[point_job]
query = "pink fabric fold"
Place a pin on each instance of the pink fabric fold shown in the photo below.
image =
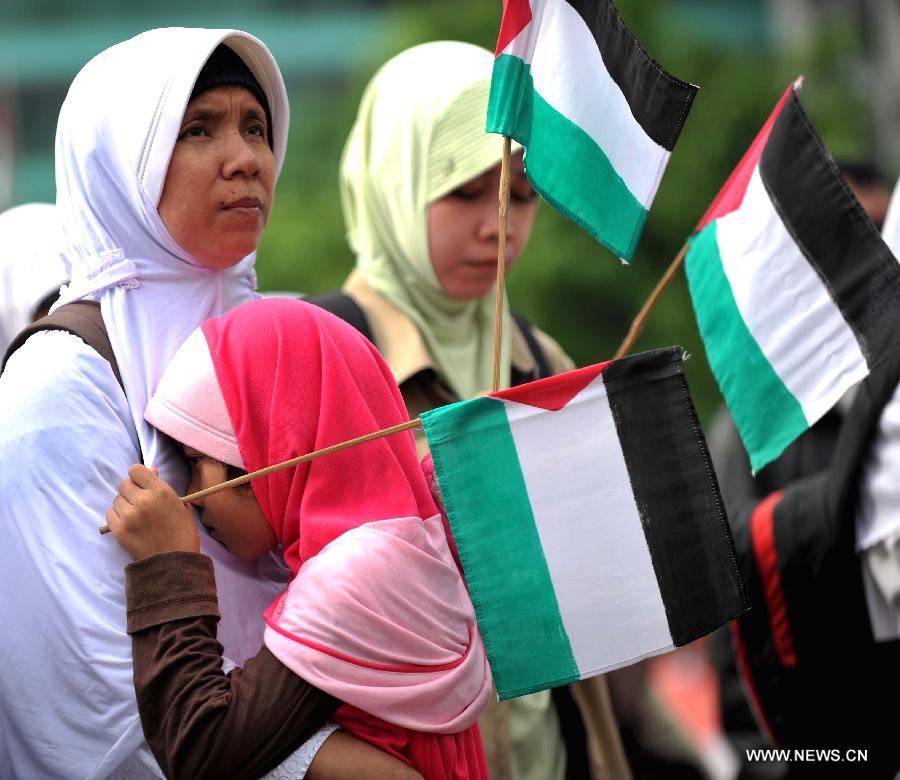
(406, 646)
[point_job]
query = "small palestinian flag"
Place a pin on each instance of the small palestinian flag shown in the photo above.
(597, 115)
(587, 518)
(796, 295)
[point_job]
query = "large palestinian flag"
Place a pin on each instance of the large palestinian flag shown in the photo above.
(587, 518)
(796, 295)
(596, 113)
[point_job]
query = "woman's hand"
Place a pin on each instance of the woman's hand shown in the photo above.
(148, 517)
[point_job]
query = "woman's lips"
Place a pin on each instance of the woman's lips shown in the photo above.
(244, 204)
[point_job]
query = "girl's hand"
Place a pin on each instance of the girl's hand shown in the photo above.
(148, 517)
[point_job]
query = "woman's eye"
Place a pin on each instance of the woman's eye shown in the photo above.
(522, 194)
(259, 130)
(520, 189)
(194, 131)
(466, 193)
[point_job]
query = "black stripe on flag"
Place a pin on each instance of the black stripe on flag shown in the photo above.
(676, 493)
(831, 229)
(658, 100)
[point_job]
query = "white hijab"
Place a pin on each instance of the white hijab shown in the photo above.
(31, 268)
(117, 129)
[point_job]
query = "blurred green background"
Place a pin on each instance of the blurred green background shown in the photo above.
(742, 54)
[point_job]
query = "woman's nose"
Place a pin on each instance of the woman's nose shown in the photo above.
(239, 157)
(489, 224)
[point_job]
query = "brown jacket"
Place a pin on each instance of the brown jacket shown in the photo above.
(399, 341)
(198, 721)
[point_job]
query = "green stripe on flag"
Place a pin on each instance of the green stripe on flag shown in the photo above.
(509, 582)
(565, 165)
(765, 412)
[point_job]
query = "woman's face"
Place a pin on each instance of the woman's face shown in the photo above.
(219, 186)
(232, 516)
(463, 231)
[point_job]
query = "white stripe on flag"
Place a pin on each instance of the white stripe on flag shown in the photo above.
(590, 530)
(569, 74)
(774, 286)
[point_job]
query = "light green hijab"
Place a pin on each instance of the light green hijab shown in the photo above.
(419, 134)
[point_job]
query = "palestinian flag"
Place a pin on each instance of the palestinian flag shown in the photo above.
(796, 295)
(587, 518)
(597, 115)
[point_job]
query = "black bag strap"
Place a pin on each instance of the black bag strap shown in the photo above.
(82, 319)
(542, 368)
(342, 305)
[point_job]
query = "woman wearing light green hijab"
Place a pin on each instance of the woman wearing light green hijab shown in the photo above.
(419, 183)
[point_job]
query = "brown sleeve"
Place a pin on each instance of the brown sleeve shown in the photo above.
(198, 721)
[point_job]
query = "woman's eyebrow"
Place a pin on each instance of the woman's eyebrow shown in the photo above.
(254, 112)
(202, 114)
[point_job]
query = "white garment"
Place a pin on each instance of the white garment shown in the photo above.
(881, 578)
(878, 525)
(890, 232)
(878, 514)
(31, 267)
(67, 434)
(67, 702)
(296, 765)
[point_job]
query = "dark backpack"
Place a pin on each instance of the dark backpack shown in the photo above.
(342, 305)
(82, 319)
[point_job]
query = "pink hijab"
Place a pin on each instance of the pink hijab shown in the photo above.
(377, 614)
(296, 379)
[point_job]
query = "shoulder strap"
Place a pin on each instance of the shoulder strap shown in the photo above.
(82, 319)
(543, 367)
(342, 305)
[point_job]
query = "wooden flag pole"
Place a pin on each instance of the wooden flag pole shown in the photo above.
(638, 323)
(501, 260)
(104, 529)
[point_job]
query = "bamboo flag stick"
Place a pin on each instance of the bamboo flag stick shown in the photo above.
(638, 323)
(104, 529)
(501, 260)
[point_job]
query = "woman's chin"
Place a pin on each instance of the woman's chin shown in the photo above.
(470, 292)
(228, 257)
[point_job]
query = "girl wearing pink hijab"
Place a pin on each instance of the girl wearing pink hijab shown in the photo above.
(376, 614)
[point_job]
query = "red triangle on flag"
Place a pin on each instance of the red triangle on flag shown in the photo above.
(731, 196)
(516, 17)
(554, 392)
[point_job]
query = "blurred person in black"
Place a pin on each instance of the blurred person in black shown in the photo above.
(809, 454)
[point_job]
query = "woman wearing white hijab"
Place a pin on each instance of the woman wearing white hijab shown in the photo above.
(31, 268)
(162, 208)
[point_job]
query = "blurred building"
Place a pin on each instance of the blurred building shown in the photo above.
(876, 25)
(44, 43)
